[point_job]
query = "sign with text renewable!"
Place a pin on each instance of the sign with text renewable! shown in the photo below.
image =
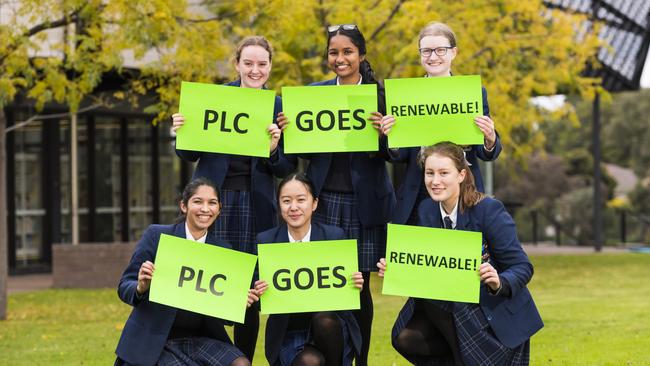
(225, 119)
(202, 278)
(431, 110)
(311, 276)
(432, 263)
(330, 118)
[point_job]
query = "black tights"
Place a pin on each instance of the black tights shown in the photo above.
(364, 319)
(430, 333)
(246, 334)
(327, 347)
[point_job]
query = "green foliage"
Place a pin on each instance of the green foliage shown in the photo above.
(72, 327)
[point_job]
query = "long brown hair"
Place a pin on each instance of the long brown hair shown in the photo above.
(469, 196)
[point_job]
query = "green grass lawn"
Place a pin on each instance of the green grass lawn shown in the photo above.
(596, 309)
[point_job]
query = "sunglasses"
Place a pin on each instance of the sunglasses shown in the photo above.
(348, 27)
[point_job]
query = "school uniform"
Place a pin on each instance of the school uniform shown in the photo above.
(496, 331)
(412, 190)
(355, 194)
(157, 334)
(283, 344)
(247, 189)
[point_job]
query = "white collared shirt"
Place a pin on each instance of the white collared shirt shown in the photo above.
(188, 235)
(453, 215)
(359, 83)
(305, 239)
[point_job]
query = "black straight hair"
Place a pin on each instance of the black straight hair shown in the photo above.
(357, 38)
(190, 190)
(302, 178)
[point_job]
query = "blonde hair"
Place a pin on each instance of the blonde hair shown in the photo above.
(253, 41)
(438, 29)
(469, 196)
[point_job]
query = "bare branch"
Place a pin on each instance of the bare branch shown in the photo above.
(387, 20)
(42, 117)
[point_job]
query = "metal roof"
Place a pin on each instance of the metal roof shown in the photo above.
(626, 29)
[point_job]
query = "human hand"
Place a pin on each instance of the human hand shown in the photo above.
(177, 122)
(486, 125)
(489, 276)
(144, 277)
(382, 267)
(275, 133)
(357, 278)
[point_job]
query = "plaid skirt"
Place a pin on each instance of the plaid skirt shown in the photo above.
(236, 223)
(340, 209)
(195, 351)
(295, 340)
(477, 343)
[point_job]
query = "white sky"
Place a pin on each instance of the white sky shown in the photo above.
(645, 76)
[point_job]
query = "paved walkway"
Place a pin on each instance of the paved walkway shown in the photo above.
(33, 282)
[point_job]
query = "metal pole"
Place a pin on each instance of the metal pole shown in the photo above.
(595, 142)
(74, 188)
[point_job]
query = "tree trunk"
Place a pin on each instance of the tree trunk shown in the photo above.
(4, 260)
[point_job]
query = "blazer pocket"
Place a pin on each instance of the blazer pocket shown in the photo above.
(516, 304)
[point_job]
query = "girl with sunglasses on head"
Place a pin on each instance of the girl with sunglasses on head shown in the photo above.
(437, 46)
(354, 189)
(157, 334)
(246, 183)
(307, 339)
(497, 330)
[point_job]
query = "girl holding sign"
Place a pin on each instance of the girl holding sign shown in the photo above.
(354, 189)
(246, 183)
(497, 330)
(437, 45)
(157, 334)
(306, 339)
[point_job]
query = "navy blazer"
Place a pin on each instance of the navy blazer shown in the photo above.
(408, 192)
(277, 324)
(214, 166)
(513, 319)
(372, 187)
(145, 332)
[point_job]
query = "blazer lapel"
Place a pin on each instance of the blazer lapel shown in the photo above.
(179, 230)
(282, 235)
(462, 220)
(317, 232)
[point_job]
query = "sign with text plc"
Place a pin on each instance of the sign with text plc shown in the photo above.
(310, 276)
(330, 118)
(431, 110)
(225, 119)
(432, 263)
(203, 278)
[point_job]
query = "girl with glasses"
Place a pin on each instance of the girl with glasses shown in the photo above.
(354, 190)
(497, 330)
(246, 183)
(307, 339)
(437, 48)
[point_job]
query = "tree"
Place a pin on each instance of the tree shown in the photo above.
(58, 51)
(520, 48)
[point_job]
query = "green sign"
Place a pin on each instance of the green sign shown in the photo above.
(202, 278)
(311, 276)
(431, 263)
(430, 110)
(330, 118)
(225, 119)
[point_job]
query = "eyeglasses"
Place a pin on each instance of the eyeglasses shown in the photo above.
(348, 27)
(439, 51)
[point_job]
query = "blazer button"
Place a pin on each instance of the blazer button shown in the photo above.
(489, 317)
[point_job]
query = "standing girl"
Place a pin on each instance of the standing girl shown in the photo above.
(307, 339)
(497, 330)
(354, 189)
(437, 46)
(246, 183)
(156, 334)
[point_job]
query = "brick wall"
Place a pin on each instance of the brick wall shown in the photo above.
(91, 265)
